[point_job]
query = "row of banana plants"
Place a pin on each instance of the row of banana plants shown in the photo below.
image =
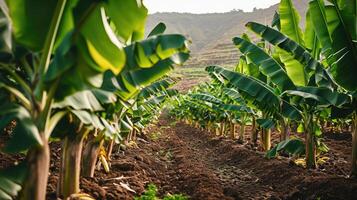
(292, 75)
(80, 72)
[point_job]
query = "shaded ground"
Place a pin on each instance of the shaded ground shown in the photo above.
(182, 159)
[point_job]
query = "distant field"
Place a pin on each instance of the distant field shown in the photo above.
(191, 76)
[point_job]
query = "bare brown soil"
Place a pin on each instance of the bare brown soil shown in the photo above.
(182, 159)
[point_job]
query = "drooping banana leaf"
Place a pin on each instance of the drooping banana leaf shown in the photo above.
(102, 49)
(129, 18)
(234, 95)
(206, 97)
(173, 51)
(25, 134)
(11, 181)
(322, 96)
(253, 90)
(154, 88)
(267, 65)
(85, 100)
(344, 44)
(312, 66)
(291, 146)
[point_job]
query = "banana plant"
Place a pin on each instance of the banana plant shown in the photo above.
(126, 92)
(295, 70)
(213, 105)
(54, 49)
(257, 93)
(144, 106)
(83, 119)
(335, 26)
(281, 78)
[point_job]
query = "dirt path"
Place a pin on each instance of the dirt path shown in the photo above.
(218, 168)
(182, 159)
(178, 158)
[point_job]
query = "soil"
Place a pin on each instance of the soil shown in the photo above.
(178, 158)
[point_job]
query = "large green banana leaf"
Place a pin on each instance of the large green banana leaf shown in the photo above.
(311, 41)
(172, 51)
(262, 95)
(267, 65)
(11, 180)
(25, 134)
(103, 50)
(321, 96)
(292, 146)
(87, 100)
(317, 9)
(32, 19)
(335, 26)
(234, 95)
(312, 66)
(129, 18)
(255, 88)
(248, 67)
(289, 20)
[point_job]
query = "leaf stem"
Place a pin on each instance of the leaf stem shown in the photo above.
(48, 47)
(51, 37)
(18, 79)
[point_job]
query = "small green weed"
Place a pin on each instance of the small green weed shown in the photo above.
(151, 194)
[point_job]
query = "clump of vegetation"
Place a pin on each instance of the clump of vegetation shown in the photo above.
(80, 80)
(151, 194)
(289, 76)
(155, 136)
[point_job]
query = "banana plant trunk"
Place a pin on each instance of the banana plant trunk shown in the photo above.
(36, 183)
(233, 130)
(254, 132)
(266, 137)
(285, 131)
(310, 155)
(71, 164)
(241, 132)
(110, 149)
(354, 146)
(222, 129)
(217, 131)
(90, 157)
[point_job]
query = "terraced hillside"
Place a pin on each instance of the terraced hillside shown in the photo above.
(213, 45)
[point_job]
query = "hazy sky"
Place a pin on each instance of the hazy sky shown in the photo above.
(205, 6)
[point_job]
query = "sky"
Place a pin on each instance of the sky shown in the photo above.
(205, 6)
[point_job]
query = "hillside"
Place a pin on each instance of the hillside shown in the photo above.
(211, 34)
